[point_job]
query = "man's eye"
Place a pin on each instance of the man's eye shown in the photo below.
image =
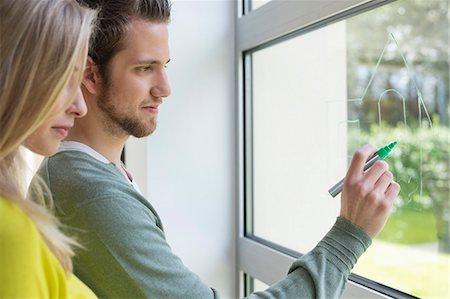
(143, 68)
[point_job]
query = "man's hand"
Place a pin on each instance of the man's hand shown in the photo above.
(367, 196)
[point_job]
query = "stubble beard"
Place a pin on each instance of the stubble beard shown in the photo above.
(119, 123)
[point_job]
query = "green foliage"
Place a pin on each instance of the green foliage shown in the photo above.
(421, 165)
(420, 162)
(420, 24)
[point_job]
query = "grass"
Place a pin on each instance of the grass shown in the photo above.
(422, 273)
(404, 256)
(410, 227)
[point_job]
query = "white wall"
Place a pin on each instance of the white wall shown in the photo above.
(190, 159)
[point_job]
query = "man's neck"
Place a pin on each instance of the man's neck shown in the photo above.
(98, 139)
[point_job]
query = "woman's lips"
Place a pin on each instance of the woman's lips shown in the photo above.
(63, 131)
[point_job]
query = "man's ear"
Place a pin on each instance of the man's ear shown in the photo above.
(91, 77)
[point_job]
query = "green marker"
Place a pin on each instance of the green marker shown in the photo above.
(379, 155)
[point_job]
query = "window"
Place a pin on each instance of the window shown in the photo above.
(253, 285)
(320, 80)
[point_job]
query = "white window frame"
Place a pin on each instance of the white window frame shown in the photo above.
(268, 24)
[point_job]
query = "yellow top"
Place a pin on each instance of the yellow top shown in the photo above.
(28, 269)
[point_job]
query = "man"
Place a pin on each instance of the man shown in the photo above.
(126, 254)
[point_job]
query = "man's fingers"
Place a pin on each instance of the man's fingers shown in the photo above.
(359, 159)
(384, 181)
(392, 191)
(374, 173)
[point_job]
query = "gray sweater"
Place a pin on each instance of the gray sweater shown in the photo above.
(126, 254)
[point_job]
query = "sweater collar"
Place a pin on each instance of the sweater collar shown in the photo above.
(81, 147)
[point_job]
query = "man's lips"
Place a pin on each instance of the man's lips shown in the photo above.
(152, 109)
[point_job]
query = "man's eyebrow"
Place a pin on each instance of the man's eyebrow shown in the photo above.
(150, 62)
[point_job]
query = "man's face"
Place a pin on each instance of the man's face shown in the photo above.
(136, 81)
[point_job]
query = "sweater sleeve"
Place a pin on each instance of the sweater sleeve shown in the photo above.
(323, 272)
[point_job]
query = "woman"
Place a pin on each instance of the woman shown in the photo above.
(42, 55)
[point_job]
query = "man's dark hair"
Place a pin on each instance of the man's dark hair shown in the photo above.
(113, 20)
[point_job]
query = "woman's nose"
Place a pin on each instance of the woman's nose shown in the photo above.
(78, 107)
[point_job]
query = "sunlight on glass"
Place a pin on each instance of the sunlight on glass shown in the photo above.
(378, 77)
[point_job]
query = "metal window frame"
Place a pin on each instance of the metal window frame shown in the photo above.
(271, 23)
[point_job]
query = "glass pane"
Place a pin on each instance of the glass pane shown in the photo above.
(376, 77)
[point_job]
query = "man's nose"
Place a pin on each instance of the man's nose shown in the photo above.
(161, 88)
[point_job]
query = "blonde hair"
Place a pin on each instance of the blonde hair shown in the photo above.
(41, 42)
